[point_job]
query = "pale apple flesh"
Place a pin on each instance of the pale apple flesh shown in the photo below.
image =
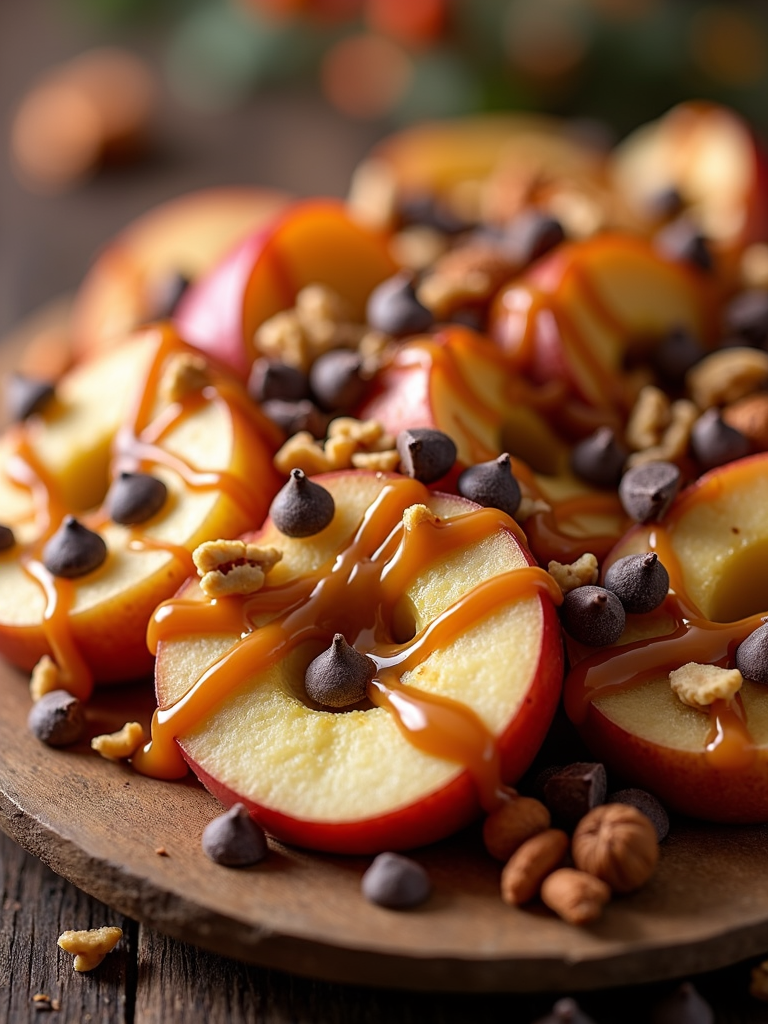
(353, 782)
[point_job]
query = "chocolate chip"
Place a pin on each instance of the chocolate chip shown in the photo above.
(234, 840)
(25, 396)
(424, 209)
(396, 882)
(683, 1006)
(675, 354)
(166, 293)
(575, 790)
(57, 719)
(301, 507)
(746, 317)
(339, 676)
(394, 309)
(7, 538)
(135, 497)
(531, 234)
(271, 379)
(542, 778)
(593, 616)
(425, 454)
(336, 380)
(647, 804)
(647, 491)
(752, 656)
(681, 240)
(491, 484)
(565, 1011)
(599, 458)
(74, 550)
(714, 442)
(639, 581)
(295, 416)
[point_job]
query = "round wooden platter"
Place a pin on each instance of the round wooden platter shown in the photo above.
(101, 826)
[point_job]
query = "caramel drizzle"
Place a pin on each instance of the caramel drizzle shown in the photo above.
(356, 593)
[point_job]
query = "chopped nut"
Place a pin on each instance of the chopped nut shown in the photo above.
(418, 247)
(91, 946)
(530, 864)
(507, 829)
(375, 349)
(233, 566)
(698, 686)
(302, 452)
(674, 441)
(758, 986)
(471, 273)
(45, 678)
(575, 896)
(580, 214)
(726, 376)
(373, 194)
(282, 337)
(339, 451)
(415, 515)
(365, 432)
(750, 417)
(581, 573)
(319, 302)
(377, 462)
(530, 507)
(753, 266)
(185, 374)
(649, 418)
(116, 746)
(617, 843)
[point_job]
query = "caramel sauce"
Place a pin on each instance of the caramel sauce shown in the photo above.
(355, 593)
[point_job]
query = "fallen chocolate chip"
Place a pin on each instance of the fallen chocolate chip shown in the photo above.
(491, 484)
(339, 676)
(714, 442)
(639, 581)
(135, 497)
(7, 538)
(57, 719)
(565, 1011)
(336, 381)
(73, 550)
(682, 240)
(593, 616)
(746, 317)
(647, 804)
(752, 656)
(425, 454)
(683, 1006)
(396, 882)
(295, 416)
(166, 293)
(647, 491)
(301, 508)
(675, 354)
(575, 790)
(531, 234)
(394, 309)
(25, 396)
(599, 458)
(234, 840)
(271, 379)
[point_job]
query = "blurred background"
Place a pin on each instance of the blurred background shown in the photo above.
(292, 93)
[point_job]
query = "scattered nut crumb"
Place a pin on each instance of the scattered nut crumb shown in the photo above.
(470, 273)
(726, 376)
(698, 686)
(282, 337)
(649, 418)
(415, 515)
(530, 507)
(124, 743)
(673, 444)
(45, 678)
(89, 947)
(377, 462)
(302, 452)
(233, 566)
(581, 573)
(161, 851)
(185, 374)
(350, 442)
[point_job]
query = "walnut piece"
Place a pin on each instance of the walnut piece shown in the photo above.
(45, 678)
(376, 462)
(516, 820)
(726, 376)
(581, 573)
(91, 946)
(185, 374)
(698, 686)
(116, 746)
(649, 418)
(470, 273)
(233, 566)
(415, 515)
(362, 444)
(576, 896)
(617, 843)
(673, 444)
(530, 864)
(750, 417)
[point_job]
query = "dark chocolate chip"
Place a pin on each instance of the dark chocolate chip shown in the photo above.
(74, 550)
(593, 616)
(271, 379)
(336, 381)
(639, 581)
(25, 396)
(714, 442)
(394, 309)
(665, 203)
(565, 1011)
(647, 804)
(424, 209)
(166, 293)
(682, 240)
(647, 491)
(746, 317)
(339, 676)
(683, 1006)
(301, 507)
(396, 882)
(543, 777)
(531, 234)
(295, 416)
(675, 354)
(575, 790)
(135, 497)
(752, 656)
(425, 454)
(7, 538)
(599, 458)
(491, 484)
(57, 719)
(234, 840)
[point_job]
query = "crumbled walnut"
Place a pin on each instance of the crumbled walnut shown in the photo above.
(753, 266)
(377, 462)
(581, 215)
(530, 507)
(368, 433)
(45, 678)
(471, 273)
(675, 439)
(116, 746)
(90, 947)
(319, 302)
(339, 450)
(161, 851)
(282, 337)
(372, 196)
(726, 376)
(698, 686)
(418, 247)
(302, 452)
(415, 515)
(347, 439)
(233, 566)
(375, 349)
(750, 417)
(581, 573)
(649, 418)
(185, 374)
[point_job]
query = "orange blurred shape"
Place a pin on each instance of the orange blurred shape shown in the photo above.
(321, 10)
(412, 22)
(729, 45)
(365, 76)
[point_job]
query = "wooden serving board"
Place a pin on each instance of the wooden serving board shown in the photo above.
(100, 825)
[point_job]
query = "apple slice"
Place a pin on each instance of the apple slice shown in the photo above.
(187, 235)
(211, 448)
(466, 640)
(714, 765)
(316, 241)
